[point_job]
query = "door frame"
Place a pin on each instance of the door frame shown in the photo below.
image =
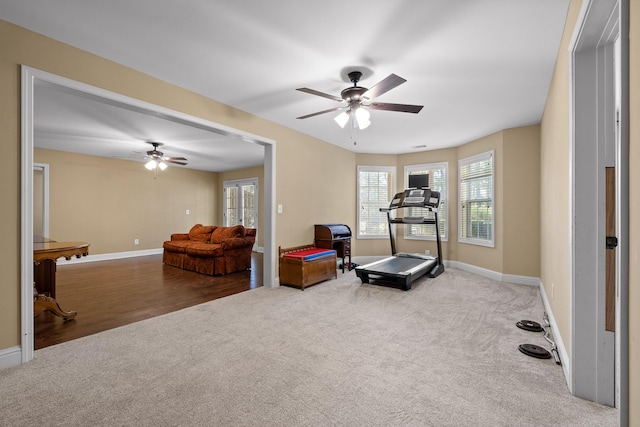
(29, 77)
(598, 368)
(45, 196)
(239, 182)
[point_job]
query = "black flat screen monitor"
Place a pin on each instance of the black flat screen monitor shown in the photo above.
(419, 181)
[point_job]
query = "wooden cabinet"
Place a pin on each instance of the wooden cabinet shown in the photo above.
(302, 271)
(336, 237)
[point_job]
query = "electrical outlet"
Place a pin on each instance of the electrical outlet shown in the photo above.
(136, 241)
(186, 212)
(427, 252)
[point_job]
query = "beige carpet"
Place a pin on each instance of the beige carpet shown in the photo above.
(337, 354)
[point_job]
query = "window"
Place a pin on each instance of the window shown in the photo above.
(375, 189)
(476, 200)
(240, 203)
(437, 182)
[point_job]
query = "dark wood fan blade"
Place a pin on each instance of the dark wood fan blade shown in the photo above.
(383, 86)
(324, 95)
(175, 158)
(321, 112)
(403, 108)
(174, 161)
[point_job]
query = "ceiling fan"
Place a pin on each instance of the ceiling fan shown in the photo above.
(157, 158)
(356, 97)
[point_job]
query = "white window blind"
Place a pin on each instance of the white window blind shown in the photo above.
(437, 182)
(476, 199)
(375, 190)
(231, 212)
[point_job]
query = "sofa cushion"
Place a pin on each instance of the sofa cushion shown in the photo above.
(201, 233)
(223, 233)
(177, 245)
(204, 250)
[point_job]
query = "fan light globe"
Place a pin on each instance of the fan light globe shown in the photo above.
(151, 165)
(362, 118)
(162, 166)
(342, 119)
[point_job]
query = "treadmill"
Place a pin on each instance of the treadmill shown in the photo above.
(402, 269)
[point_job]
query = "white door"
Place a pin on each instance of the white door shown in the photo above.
(241, 203)
(41, 200)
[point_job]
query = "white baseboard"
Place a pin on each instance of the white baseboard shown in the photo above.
(10, 357)
(494, 275)
(107, 257)
(557, 338)
(521, 280)
(120, 255)
(276, 283)
(489, 274)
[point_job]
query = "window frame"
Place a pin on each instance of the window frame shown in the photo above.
(238, 185)
(487, 155)
(443, 212)
(386, 169)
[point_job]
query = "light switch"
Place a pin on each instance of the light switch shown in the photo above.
(186, 212)
(279, 208)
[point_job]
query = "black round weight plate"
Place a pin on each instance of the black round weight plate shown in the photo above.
(534, 351)
(529, 325)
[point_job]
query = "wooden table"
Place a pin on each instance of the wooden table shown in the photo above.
(45, 254)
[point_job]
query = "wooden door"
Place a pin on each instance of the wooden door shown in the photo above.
(611, 242)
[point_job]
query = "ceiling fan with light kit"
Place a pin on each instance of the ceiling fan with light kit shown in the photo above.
(356, 101)
(157, 160)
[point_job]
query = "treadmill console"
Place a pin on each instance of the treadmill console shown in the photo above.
(416, 198)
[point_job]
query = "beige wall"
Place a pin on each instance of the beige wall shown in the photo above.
(316, 185)
(554, 183)
(521, 201)
(110, 202)
(304, 165)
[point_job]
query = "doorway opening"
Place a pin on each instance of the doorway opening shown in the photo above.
(30, 77)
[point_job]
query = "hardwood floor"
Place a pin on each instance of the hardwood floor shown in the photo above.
(108, 294)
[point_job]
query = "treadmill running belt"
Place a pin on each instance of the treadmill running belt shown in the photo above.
(395, 265)
(399, 270)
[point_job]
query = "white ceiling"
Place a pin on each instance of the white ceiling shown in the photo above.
(70, 120)
(477, 66)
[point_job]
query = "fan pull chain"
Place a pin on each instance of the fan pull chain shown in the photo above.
(354, 129)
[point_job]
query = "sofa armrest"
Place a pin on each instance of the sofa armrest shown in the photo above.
(180, 236)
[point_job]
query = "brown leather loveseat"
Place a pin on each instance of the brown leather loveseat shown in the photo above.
(209, 249)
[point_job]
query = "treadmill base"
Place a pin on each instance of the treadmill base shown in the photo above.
(399, 271)
(437, 270)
